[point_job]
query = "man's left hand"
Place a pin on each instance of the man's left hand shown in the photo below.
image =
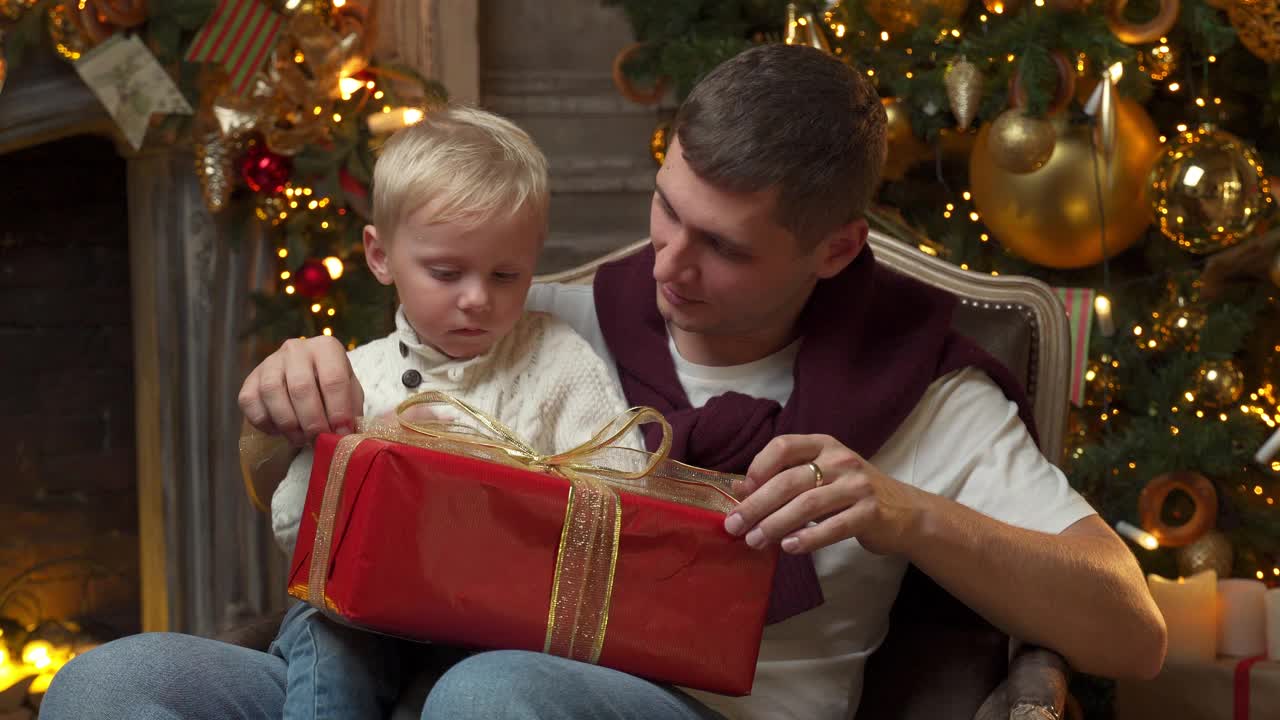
(853, 499)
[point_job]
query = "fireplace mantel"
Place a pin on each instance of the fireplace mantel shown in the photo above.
(207, 557)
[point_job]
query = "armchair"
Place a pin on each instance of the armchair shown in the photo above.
(940, 659)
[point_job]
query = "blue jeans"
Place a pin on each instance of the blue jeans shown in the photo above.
(165, 676)
(332, 671)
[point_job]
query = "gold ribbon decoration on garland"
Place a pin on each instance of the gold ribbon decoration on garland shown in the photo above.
(596, 470)
(291, 100)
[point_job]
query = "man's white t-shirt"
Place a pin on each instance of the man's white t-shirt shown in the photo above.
(964, 440)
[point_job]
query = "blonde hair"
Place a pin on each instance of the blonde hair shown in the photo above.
(468, 165)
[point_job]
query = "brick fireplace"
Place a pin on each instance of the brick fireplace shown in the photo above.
(122, 308)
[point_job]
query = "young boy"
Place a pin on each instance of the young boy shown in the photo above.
(459, 216)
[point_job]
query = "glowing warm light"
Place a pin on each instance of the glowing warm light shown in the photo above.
(349, 86)
(37, 654)
(40, 684)
(1137, 535)
(328, 331)
(334, 266)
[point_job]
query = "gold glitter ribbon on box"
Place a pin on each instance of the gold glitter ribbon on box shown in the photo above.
(596, 470)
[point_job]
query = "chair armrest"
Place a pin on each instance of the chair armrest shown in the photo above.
(1036, 688)
(255, 634)
(264, 461)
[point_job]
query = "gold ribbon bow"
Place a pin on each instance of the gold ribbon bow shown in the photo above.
(588, 553)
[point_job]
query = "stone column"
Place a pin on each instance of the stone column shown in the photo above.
(547, 65)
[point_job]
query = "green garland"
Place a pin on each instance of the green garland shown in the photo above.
(337, 172)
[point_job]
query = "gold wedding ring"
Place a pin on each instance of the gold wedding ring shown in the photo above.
(817, 474)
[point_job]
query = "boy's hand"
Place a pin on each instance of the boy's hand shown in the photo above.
(303, 389)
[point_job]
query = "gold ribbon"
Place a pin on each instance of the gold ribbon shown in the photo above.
(587, 557)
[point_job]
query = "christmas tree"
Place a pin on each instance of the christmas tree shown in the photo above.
(1115, 150)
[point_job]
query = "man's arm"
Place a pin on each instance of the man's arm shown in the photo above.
(1080, 592)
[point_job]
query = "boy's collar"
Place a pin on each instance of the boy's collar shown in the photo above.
(409, 340)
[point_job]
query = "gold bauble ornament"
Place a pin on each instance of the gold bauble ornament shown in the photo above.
(1050, 216)
(905, 149)
(964, 89)
(902, 15)
(1212, 551)
(1177, 320)
(1158, 62)
(659, 141)
(1218, 383)
(1257, 24)
(1019, 143)
(1208, 190)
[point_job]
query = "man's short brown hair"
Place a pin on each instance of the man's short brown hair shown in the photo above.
(794, 118)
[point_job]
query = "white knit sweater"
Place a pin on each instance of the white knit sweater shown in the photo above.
(542, 380)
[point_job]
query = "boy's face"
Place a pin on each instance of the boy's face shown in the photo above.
(462, 286)
(724, 266)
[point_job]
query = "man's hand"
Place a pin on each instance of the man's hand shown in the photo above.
(855, 500)
(303, 389)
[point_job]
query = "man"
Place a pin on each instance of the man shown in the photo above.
(871, 437)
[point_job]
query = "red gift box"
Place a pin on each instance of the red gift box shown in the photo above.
(435, 546)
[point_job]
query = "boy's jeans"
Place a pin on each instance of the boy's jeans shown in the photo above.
(333, 671)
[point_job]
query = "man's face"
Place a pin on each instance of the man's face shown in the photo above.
(724, 267)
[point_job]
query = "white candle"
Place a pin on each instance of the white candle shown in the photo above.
(1242, 623)
(1102, 310)
(1268, 449)
(1190, 609)
(396, 118)
(1273, 623)
(1137, 535)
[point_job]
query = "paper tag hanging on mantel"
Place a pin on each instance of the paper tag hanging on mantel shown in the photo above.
(131, 85)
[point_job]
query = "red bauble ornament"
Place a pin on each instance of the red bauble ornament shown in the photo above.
(265, 171)
(312, 279)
